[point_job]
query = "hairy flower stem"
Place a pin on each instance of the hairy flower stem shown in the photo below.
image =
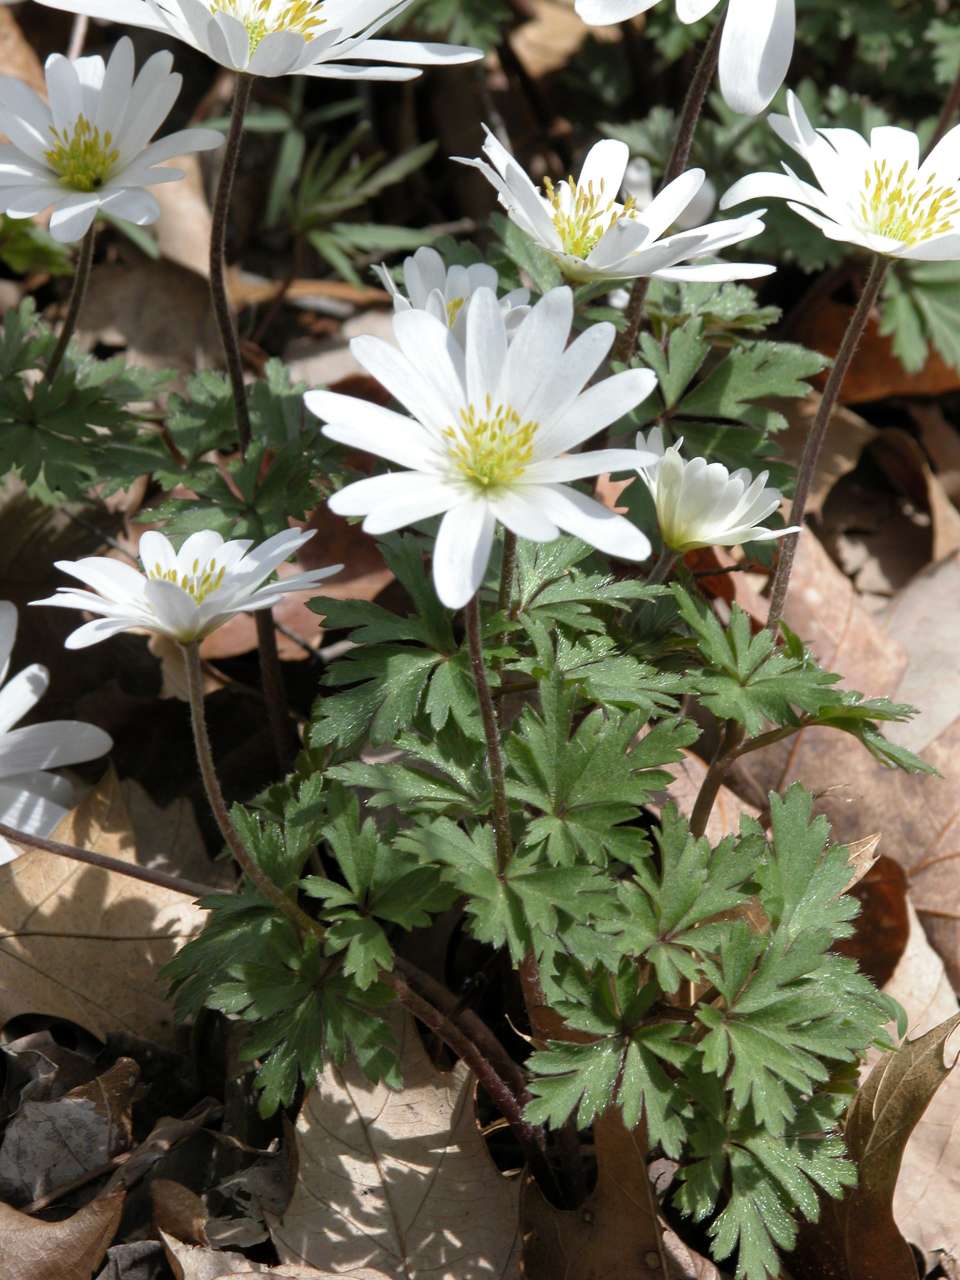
(818, 433)
(81, 279)
(303, 923)
(508, 570)
(501, 810)
(218, 242)
(679, 159)
(274, 689)
(662, 569)
(725, 755)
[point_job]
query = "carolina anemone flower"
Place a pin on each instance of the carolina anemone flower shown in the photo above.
(183, 594)
(700, 504)
(876, 194)
(756, 47)
(31, 798)
(592, 236)
(282, 37)
(489, 435)
(444, 291)
(90, 148)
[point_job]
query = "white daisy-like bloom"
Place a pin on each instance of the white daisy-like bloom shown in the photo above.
(31, 798)
(489, 437)
(283, 37)
(182, 594)
(877, 194)
(756, 47)
(444, 291)
(592, 236)
(700, 504)
(89, 149)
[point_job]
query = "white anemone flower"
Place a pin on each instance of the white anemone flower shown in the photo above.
(444, 291)
(592, 236)
(489, 435)
(31, 798)
(90, 149)
(282, 37)
(756, 47)
(700, 504)
(876, 194)
(184, 595)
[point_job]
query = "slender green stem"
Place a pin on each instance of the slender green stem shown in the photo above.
(818, 434)
(679, 159)
(501, 810)
(81, 279)
(303, 923)
(662, 569)
(719, 767)
(274, 688)
(218, 242)
(114, 865)
(508, 570)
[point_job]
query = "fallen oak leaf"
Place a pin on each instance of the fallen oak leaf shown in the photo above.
(72, 1249)
(194, 1262)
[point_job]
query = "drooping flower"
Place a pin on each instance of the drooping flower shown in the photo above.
(593, 236)
(876, 194)
(283, 37)
(756, 48)
(31, 798)
(700, 504)
(489, 434)
(444, 291)
(185, 594)
(90, 148)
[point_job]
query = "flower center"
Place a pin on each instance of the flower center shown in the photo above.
(581, 225)
(82, 158)
(201, 582)
(892, 206)
(264, 17)
(492, 447)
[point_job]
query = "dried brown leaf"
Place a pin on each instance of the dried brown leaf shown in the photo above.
(72, 1249)
(87, 944)
(192, 1262)
(398, 1183)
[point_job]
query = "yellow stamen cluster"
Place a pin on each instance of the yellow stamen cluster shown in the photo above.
(82, 158)
(264, 17)
(590, 218)
(891, 205)
(493, 447)
(454, 307)
(199, 583)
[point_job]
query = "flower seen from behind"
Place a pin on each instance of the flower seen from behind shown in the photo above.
(756, 48)
(489, 434)
(31, 798)
(874, 193)
(283, 37)
(444, 292)
(700, 504)
(90, 148)
(593, 236)
(183, 594)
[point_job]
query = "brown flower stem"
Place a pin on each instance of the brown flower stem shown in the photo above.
(719, 767)
(662, 569)
(501, 810)
(218, 241)
(818, 434)
(679, 159)
(145, 874)
(81, 279)
(274, 688)
(303, 923)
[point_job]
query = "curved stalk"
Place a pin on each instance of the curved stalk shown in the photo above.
(507, 570)
(81, 279)
(218, 241)
(679, 159)
(818, 434)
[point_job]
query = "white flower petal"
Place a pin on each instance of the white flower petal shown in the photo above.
(602, 404)
(594, 523)
(47, 746)
(462, 551)
(8, 634)
(21, 694)
(755, 52)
